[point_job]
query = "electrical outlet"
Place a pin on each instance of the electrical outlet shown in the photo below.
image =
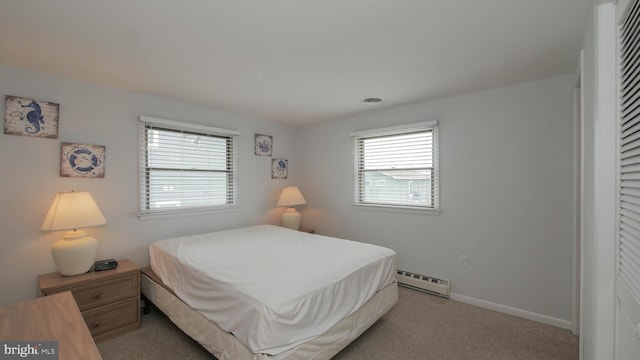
(463, 260)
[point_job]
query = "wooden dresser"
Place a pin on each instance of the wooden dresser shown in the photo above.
(54, 318)
(108, 300)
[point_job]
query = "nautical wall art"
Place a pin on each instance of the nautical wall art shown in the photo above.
(263, 144)
(28, 117)
(279, 168)
(82, 160)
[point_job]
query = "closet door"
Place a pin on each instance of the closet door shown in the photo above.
(628, 247)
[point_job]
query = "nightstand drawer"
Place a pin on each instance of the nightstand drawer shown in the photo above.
(103, 292)
(108, 318)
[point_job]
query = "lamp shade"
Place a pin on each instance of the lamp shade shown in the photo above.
(72, 210)
(291, 196)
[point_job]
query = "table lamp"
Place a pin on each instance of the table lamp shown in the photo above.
(290, 197)
(76, 252)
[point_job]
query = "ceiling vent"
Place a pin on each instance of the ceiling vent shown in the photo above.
(372, 100)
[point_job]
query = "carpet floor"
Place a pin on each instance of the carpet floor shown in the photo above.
(419, 327)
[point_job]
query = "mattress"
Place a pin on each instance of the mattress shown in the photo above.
(271, 287)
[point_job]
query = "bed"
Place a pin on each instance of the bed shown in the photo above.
(267, 292)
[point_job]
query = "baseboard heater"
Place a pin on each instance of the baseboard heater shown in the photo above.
(424, 283)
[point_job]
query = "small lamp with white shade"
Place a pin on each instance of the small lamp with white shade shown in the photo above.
(76, 252)
(290, 197)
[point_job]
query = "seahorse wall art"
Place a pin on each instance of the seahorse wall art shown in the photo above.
(28, 117)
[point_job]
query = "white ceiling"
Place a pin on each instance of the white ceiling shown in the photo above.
(295, 61)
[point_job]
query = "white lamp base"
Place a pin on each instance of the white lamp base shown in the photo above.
(75, 253)
(291, 219)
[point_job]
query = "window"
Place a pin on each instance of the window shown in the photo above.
(397, 167)
(185, 167)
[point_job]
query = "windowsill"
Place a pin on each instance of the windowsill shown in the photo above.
(184, 213)
(399, 209)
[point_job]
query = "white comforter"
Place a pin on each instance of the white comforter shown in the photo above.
(272, 287)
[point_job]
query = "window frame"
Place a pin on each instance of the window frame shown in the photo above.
(146, 212)
(358, 170)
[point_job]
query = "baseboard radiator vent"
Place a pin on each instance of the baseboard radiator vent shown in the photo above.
(427, 284)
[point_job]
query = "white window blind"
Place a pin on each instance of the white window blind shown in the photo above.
(629, 238)
(185, 167)
(397, 167)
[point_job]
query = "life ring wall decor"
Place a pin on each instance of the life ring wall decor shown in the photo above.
(82, 160)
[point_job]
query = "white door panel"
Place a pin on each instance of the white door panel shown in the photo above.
(627, 335)
(628, 323)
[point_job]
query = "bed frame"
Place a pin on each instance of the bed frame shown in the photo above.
(225, 346)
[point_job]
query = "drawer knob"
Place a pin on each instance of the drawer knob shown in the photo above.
(96, 324)
(96, 296)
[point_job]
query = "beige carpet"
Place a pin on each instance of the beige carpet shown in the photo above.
(419, 327)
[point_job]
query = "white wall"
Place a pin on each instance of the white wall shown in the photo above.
(587, 303)
(97, 115)
(506, 179)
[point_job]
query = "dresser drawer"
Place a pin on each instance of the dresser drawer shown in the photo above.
(114, 317)
(98, 293)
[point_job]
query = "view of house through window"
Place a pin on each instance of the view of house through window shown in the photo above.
(397, 168)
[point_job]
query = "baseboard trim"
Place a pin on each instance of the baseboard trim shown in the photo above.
(565, 324)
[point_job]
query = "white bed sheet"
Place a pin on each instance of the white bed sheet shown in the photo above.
(271, 287)
(225, 346)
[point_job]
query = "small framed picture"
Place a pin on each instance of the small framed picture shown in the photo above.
(28, 117)
(263, 144)
(279, 168)
(82, 160)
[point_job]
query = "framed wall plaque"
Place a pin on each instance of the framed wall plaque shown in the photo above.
(28, 117)
(279, 168)
(82, 160)
(263, 144)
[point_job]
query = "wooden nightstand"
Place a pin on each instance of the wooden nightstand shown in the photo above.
(108, 300)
